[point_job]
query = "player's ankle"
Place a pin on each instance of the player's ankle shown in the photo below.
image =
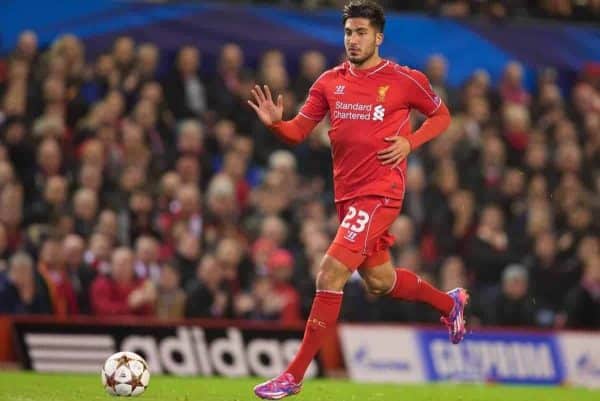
(297, 377)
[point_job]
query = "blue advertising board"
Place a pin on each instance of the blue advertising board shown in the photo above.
(504, 357)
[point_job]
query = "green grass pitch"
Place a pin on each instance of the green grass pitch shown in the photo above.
(26, 386)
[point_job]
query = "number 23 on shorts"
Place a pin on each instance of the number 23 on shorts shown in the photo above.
(365, 221)
(355, 220)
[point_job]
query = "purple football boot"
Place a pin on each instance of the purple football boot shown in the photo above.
(456, 320)
(277, 388)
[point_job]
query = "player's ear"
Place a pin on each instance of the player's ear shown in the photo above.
(379, 38)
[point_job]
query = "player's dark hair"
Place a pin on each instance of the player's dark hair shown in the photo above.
(368, 9)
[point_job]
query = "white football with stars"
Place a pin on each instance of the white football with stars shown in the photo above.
(125, 374)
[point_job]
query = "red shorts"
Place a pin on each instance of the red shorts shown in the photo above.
(363, 237)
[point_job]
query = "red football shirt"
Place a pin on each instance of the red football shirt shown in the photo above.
(365, 106)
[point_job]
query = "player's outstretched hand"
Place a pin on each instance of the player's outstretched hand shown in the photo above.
(268, 112)
(396, 152)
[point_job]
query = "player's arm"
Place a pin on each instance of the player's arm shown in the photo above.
(423, 98)
(297, 129)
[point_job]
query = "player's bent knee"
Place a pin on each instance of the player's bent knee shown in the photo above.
(377, 291)
(379, 280)
(377, 287)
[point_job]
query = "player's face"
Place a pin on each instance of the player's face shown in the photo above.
(361, 40)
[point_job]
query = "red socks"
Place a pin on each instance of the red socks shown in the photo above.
(411, 287)
(321, 321)
(326, 308)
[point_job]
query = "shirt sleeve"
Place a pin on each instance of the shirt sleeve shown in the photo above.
(294, 131)
(421, 95)
(315, 107)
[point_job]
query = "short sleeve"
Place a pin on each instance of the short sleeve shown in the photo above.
(420, 93)
(315, 107)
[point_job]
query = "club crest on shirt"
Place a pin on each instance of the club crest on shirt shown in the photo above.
(381, 92)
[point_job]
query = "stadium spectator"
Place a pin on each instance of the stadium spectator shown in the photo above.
(512, 306)
(138, 219)
(98, 252)
(452, 273)
(225, 86)
(52, 204)
(185, 92)
(414, 201)
(85, 208)
(123, 54)
(80, 274)
(52, 268)
(170, 297)
(109, 226)
(121, 293)
(549, 276)
(27, 48)
(148, 58)
(583, 301)
(404, 232)
(236, 268)
(489, 250)
(144, 69)
(281, 268)
(206, 296)
(20, 291)
(437, 72)
(187, 253)
(222, 210)
(312, 64)
(146, 260)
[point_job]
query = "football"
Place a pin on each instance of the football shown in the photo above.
(125, 374)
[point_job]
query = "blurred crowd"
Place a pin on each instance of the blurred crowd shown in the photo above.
(124, 191)
(581, 10)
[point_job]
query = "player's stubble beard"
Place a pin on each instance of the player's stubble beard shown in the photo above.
(359, 61)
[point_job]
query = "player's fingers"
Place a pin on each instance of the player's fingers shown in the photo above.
(251, 103)
(391, 151)
(280, 101)
(386, 156)
(389, 161)
(398, 161)
(390, 138)
(256, 97)
(260, 93)
(395, 155)
(389, 157)
(386, 150)
(268, 93)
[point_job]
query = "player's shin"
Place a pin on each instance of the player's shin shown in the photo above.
(410, 287)
(320, 323)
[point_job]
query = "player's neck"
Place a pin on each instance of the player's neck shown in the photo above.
(370, 63)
